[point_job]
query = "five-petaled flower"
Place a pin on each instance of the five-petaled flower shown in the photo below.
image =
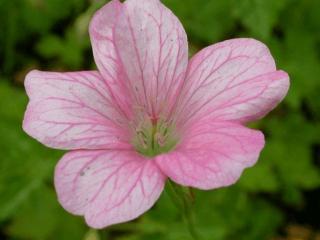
(148, 113)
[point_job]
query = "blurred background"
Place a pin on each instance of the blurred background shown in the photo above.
(278, 199)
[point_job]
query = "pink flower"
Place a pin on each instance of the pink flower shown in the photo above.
(149, 114)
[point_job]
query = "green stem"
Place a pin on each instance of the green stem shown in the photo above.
(189, 218)
(183, 198)
(102, 234)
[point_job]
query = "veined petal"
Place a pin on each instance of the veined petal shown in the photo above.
(101, 31)
(153, 49)
(102, 40)
(233, 80)
(107, 187)
(72, 111)
(212, 155)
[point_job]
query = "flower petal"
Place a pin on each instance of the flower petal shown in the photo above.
(153, 49)
(212, 155)
(108, 187)
(101, 31)
(232, 80)
(72, 111)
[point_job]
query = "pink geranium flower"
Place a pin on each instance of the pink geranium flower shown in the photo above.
(148, 113)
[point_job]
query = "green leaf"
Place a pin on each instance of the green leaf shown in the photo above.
(41, 217)
(205, 21)
(260, 178)
(259, 16)
(41, 15)
(302, 63)
(25, 163)
(289, 152)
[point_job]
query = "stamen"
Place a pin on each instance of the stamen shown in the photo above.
(160, 139)
(153, 136)
(142, 140)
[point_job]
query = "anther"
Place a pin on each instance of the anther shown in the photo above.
(161, 140)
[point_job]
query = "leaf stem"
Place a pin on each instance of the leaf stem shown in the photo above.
(102, 234)
(183, 198)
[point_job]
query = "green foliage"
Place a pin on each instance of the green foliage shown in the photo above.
(27, 198)
(259, 16)
(205, 21)
(51, 219)
(52, 34)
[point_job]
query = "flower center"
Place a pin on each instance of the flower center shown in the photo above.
(154, 137)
